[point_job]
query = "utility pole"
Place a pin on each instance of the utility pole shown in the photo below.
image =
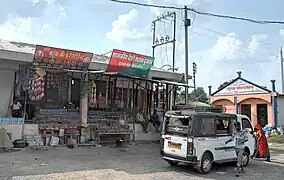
(194, 70)
(282, 75)
(187, 23)
(169, 16)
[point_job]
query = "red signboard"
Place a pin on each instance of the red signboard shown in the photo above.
(61, 58)
(129, 63)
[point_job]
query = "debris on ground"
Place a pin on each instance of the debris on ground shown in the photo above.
(271, 131)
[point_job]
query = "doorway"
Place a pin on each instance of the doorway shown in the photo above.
(262, 116)
(246, 110)
(75, 91)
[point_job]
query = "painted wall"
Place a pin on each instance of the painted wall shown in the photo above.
(230, 107)
(280, 110)
(6, 88)
(253, 99)
(14, 129)
(253, 102)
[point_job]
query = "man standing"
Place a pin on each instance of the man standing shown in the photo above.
(240, 138)
(16, 108)
(155, 120)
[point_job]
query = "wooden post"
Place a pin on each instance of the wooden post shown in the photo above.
(133, 122)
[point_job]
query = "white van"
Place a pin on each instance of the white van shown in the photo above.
(198, 137)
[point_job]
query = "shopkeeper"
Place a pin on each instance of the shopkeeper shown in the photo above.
(16, 108)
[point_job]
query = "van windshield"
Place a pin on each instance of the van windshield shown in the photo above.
(177, 125)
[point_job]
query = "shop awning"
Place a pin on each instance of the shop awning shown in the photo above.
(175, 83)
(123, 75)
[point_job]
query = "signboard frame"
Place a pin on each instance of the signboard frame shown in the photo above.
(129, 63)
(58, 58)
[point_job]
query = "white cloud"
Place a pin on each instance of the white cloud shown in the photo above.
(281, 33)
(255, 42)
(121, 29)
(228, 55)
(227, 47)
(21, 25)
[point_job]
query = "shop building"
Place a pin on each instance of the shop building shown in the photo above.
(245, 97)
(52, 110)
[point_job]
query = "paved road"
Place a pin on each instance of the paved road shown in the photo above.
(140, 162)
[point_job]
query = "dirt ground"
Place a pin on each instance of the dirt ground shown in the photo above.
(140, 162)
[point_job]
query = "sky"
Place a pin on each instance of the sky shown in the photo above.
(219, 47)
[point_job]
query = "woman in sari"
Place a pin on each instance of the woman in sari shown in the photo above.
(262, 144)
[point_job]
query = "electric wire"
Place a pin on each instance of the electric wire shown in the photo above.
(249, 41)
(234, 44)
(200, 12)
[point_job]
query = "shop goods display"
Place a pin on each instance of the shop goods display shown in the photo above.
(95, 116)
(35, 140)
(56, 115)
(11, 120)
(37, 88)
(54, 141)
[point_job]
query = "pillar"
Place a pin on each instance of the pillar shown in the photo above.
(84, 111)
(210, 93)
(236, 104)
(274, 103)
(84, 103)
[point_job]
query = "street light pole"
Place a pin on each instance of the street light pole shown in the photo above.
(186, 25)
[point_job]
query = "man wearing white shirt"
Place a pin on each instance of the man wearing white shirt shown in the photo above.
(16, 108)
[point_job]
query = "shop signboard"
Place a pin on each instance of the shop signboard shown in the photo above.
(57, 58)
(240, 87)
(129, 63)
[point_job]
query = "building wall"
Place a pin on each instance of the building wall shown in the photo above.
(230, 107)
(253, 102)
(6, 90)
(253, 99)
(14, 129)
(280, 110)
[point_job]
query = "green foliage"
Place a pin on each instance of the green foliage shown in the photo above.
(224, 84)
(198, 95)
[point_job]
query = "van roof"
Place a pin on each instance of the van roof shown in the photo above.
(190, 112)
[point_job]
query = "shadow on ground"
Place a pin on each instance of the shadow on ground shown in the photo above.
(133, 161)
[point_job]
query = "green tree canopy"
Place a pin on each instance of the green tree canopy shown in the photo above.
(195, 95)
(199, 95)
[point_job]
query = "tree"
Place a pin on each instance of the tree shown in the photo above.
(198, 95)
(224, 84)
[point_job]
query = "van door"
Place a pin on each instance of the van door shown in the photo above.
(225, 151)
(176, 135)
(207, 139)
(175, 145)
(246, 124)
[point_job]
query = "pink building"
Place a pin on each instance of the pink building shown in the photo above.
(244, 97)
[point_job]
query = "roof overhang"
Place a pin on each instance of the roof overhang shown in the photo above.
(96, 65)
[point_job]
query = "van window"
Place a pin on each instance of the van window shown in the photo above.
(208, 126)
(175, 121)
(222, 126)
(176, 125)
(246, 124)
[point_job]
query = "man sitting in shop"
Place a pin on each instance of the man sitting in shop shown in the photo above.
(140, 119)
(16, 108)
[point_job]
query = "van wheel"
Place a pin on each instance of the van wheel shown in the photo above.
(246, 158)
(206, 164)
(173, 163)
